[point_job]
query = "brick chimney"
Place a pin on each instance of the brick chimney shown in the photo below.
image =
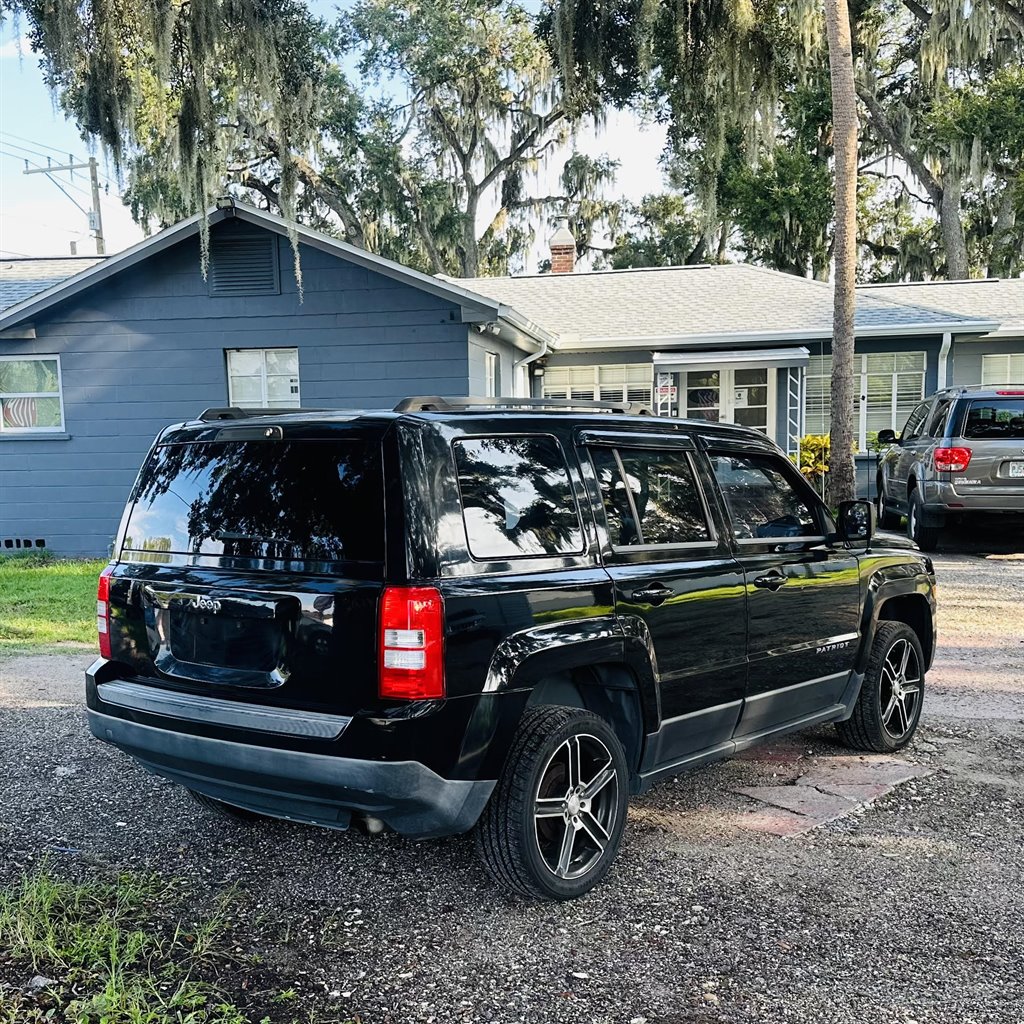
(563, 250)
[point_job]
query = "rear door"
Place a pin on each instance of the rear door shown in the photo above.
(251, 566)
(914, 445)
(676, 581)
(993, 430)
(803, 591)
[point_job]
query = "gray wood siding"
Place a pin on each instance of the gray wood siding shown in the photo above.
(968, 353)
(146, 349)
(479, 346)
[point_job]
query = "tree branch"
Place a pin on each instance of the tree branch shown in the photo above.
(881, 123)
(903, 185)
(918, 11)
(520, 146)
(1012, 13)
(326, 190)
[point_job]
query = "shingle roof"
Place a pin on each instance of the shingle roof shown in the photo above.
(22, 278)
(992, 298)
(699, 303)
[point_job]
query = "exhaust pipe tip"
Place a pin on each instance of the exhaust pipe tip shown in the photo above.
(371, 826)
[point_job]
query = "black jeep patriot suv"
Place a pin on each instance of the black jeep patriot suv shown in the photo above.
(506, 615)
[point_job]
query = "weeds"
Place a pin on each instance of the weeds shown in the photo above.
(110, 952)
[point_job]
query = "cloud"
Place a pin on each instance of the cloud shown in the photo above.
(20, 46)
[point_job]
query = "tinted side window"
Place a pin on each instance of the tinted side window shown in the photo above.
(761, 500)
(516, 497)
(936, 426)
(915, 422)
(659, 487)
(996, 418)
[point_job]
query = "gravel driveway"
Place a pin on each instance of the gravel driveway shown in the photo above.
(909, 910)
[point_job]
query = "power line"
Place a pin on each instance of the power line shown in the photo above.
(34, 142)
(46, 168)
(44, 156)
(94, 214)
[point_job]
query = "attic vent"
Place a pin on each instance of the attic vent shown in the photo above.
(243, 265)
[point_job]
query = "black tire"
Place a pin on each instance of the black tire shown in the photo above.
(223, 810)
(887, 519)
(925, 537)
(878, 708)
(525, 853)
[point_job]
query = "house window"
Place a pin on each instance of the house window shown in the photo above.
(890, 385)
(265, 378)
(30, 395)
(492, 374)
(628, 383)
(1003, 369)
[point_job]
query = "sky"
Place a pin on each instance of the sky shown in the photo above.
(37, 219)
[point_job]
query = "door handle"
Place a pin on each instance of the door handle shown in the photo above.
(655, 593)
(771, 581)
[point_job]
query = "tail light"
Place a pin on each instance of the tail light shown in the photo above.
(411, 643)
(1010, 392)
(103, 611)
(952, 460)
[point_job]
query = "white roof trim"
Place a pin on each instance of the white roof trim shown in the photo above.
(587, 343)
(744, 359)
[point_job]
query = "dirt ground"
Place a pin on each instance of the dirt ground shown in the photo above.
(909, 909)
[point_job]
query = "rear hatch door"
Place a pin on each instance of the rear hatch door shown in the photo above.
(251, 567)
(993, 429)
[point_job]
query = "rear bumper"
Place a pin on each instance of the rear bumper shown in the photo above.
(320, 789)
(943, 499)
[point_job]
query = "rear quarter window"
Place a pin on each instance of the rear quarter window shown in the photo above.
(517, 499)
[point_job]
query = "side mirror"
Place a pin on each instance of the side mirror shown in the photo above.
(888, 437)
(857, 522)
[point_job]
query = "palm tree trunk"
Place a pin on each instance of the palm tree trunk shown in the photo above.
(842, 471)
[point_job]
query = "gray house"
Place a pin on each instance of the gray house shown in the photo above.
(97, 355)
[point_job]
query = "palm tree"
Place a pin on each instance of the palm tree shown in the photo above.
(842, 472)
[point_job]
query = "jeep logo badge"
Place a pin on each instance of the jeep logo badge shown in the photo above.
(204, 604)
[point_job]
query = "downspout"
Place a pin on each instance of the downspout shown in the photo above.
(522, 364)
(947, 342)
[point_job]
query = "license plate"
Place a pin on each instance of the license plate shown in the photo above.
(1016, 469)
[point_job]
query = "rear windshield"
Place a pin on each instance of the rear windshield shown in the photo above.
(996, 418)
(254, 502)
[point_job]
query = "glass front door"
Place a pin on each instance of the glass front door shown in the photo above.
(726, 395)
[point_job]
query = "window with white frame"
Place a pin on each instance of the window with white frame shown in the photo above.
(492, 375)
(889, 385)
(266, 378)
(1005, 368)
(632, 382)
(30, 395)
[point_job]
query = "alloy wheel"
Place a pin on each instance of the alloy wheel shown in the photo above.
(900, 689)
(574, 807)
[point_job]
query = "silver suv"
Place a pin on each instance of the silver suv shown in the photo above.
(961, 454)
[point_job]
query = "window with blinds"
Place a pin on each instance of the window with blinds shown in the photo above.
(891, 384)
(626, 383)
(1005, 368)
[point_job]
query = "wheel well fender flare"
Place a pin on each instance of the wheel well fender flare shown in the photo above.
(604, 664)
(908, 600)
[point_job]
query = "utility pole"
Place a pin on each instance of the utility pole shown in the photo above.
(94, 215)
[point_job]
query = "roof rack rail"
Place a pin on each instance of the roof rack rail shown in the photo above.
(437, 403)
(236, 412)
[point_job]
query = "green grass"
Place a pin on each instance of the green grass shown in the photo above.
(116, 952)
(46, 600)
